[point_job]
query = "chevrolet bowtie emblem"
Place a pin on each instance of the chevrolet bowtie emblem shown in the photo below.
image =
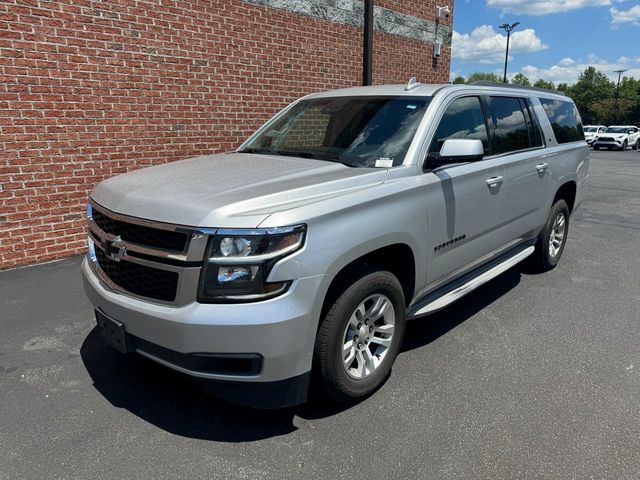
(115, 248)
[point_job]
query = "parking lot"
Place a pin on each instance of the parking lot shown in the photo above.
(531, 376)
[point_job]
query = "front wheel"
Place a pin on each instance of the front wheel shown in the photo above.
(552, 238)
(624, 146)
(360, 336)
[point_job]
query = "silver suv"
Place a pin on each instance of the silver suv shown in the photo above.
(299, 257)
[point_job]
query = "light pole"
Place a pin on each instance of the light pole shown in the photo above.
(507, 28)
(619, 72)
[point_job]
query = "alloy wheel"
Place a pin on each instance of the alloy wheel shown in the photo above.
(368, 336)
(556, 239)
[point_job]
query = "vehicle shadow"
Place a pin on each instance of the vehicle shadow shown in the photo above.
(176, 404)
(424, 330)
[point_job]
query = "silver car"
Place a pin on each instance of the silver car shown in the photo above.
(300, 256)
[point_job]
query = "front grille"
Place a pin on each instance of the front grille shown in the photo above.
(140, 234)
(139, 279)
(606, 139)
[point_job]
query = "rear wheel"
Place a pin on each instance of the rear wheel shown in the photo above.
(360, 336)
(552, 238)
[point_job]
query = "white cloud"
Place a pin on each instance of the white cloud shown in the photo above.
(485, 45)
(543, 7)
(619, 17)
(568, 70)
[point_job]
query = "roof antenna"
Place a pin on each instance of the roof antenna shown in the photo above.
(413, 83)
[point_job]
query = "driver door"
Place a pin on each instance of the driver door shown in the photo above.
(463, 201)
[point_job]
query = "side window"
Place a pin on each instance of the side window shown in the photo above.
(463, 118)
(535, 134)
(565, 120)
(510, 130)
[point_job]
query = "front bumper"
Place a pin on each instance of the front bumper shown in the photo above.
(607, 143)
(281, 330)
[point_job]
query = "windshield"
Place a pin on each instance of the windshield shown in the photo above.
(590, 129)
(616, 130)
(355, 131)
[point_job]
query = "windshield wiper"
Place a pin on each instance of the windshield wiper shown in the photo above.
(263, 151)
(331, 157)
(307, 154)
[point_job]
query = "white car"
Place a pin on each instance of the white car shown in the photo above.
(619, 137)
(591, 132)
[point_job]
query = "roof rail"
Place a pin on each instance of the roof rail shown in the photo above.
(411, 84)
(484, 83)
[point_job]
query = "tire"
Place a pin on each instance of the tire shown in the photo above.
(638, 144)
(333, 373)
(545, 257)
(596, 148)
(624, 146)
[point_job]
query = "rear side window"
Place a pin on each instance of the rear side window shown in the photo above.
(513, 126)
(564, 119)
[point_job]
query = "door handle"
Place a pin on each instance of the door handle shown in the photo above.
(542, 167)
(493, 182)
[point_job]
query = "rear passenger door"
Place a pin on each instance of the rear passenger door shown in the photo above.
(517, 139)
(462, 201)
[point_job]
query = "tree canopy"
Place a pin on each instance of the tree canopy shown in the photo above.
(597, 98)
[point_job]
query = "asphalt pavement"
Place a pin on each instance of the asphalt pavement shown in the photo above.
(531, 376)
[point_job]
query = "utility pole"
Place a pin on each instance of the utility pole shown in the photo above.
(507, 28)
(616, 113)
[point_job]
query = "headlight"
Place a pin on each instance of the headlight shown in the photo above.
(238, 262)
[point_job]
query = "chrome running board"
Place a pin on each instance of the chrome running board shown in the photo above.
(451, 296)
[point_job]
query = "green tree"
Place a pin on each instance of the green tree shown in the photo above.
(563, 87)
(630, 89)
(485, 77)
(540, 83)
(612, 111)
(459, 79)
(521, 79)
(592, 86)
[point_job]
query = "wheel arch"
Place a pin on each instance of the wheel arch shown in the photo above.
(397, 258)
(567, 192)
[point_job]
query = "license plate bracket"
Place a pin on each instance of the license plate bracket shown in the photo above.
(113, 332)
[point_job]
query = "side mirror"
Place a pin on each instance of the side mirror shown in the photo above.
(456, 150)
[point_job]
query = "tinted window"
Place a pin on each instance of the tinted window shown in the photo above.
(462, 119)
(535, 134)
(510, 131)
(564, 119)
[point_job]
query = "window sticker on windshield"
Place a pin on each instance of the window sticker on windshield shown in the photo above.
(412, 107)
(384, 163)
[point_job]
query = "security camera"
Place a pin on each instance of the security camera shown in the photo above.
(437, 49)
(443, 12)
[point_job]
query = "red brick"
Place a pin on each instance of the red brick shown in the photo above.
(92, 89)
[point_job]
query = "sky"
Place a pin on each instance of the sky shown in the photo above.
(556, 39)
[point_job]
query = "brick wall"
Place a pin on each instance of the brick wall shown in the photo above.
(93, 88)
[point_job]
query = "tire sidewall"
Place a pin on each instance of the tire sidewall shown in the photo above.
(380, 282)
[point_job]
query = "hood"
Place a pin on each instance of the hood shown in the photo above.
(229, 190)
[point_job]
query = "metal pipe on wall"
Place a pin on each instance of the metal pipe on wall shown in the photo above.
(367, 53)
